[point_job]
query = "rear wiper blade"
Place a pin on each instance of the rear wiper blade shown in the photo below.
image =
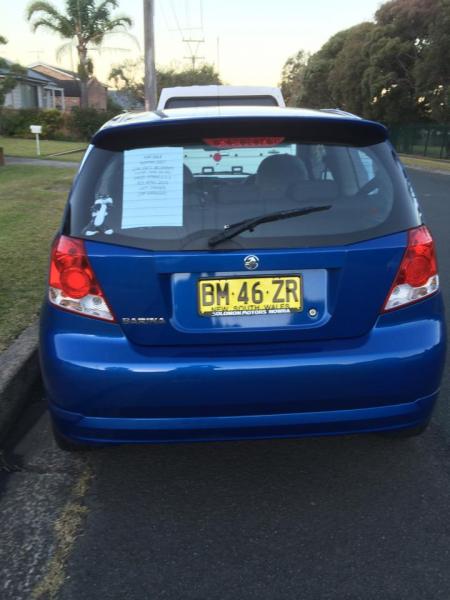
(234, 229)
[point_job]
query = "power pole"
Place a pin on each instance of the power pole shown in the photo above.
(193, 53)
(218, 55)
(149, 50)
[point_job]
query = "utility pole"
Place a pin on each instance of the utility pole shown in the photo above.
(149, 49)
(218, 55)
(193, 54)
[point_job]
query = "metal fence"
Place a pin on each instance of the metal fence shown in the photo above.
(422, 140)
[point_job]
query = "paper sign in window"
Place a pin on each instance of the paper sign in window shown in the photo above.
(152, 188)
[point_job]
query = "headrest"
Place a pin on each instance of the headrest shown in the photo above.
(283, 168)
(188, 178)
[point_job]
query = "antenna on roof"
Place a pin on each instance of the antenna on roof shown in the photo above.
(37, 53)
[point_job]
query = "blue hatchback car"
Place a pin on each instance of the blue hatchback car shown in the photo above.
(235, 273)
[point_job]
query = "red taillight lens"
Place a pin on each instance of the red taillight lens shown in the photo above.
(417, 277)
(72, 282)
(75, 283)
(419, 262)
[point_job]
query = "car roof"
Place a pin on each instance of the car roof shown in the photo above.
(219, 91)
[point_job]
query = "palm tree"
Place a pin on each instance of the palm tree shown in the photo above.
(11, 73)
(88, 21)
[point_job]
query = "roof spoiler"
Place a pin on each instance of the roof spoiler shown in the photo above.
(318, 129)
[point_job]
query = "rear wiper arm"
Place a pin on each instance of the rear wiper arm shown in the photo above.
(234, 229)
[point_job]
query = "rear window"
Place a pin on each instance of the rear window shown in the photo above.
(202, 101)
(177, 197)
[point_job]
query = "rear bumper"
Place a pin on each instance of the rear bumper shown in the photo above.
(98, 430)
(103, 388)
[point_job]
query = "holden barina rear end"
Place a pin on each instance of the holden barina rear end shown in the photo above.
(242, 273)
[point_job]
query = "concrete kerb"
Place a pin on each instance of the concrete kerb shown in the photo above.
(19, 373)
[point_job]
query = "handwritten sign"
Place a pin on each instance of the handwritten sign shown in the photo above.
(153, 188)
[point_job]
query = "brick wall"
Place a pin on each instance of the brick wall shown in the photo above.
(70, 102)
(97, 95)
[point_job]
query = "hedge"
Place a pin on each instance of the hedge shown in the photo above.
(79, 124)
(84, 122)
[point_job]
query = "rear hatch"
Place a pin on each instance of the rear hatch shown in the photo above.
(231, 231)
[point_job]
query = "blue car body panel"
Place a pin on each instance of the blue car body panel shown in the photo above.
(102, 387)
(340, 365)
(164, 285)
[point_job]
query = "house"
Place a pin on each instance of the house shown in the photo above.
(70, 83)
(33, 90)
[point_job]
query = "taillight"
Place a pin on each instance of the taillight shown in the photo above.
(243, 142)
(417, 276)
(72, 282)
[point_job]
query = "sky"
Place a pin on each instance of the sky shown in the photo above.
(247, 40)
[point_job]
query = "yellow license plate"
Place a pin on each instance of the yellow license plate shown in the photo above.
(250, 296)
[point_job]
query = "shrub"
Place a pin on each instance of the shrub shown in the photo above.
(84, 122)
(80, 124)
(17, 122)
(52, 122)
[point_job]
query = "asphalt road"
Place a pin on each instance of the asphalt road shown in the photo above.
(354, 518)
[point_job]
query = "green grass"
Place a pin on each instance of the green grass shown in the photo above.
(425, 163)
(31, 204)
(27, 148)
(432, 151)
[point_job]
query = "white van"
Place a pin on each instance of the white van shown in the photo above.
(196, 96)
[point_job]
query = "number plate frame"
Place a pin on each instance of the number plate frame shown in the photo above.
(254, 311)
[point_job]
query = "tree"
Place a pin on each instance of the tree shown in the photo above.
(317, 92)
(422, 27)
(204, 75)
(292, 77)
(389, 78)
(395, 69)
(346, 78)
(88, 21)
(129, 76)
(432, 69)
(11, 72)
(408, 19)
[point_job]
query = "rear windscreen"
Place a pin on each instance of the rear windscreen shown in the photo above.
(179, 197)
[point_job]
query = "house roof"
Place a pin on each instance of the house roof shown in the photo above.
(71, 87)
(56, 70)
(29, 74)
